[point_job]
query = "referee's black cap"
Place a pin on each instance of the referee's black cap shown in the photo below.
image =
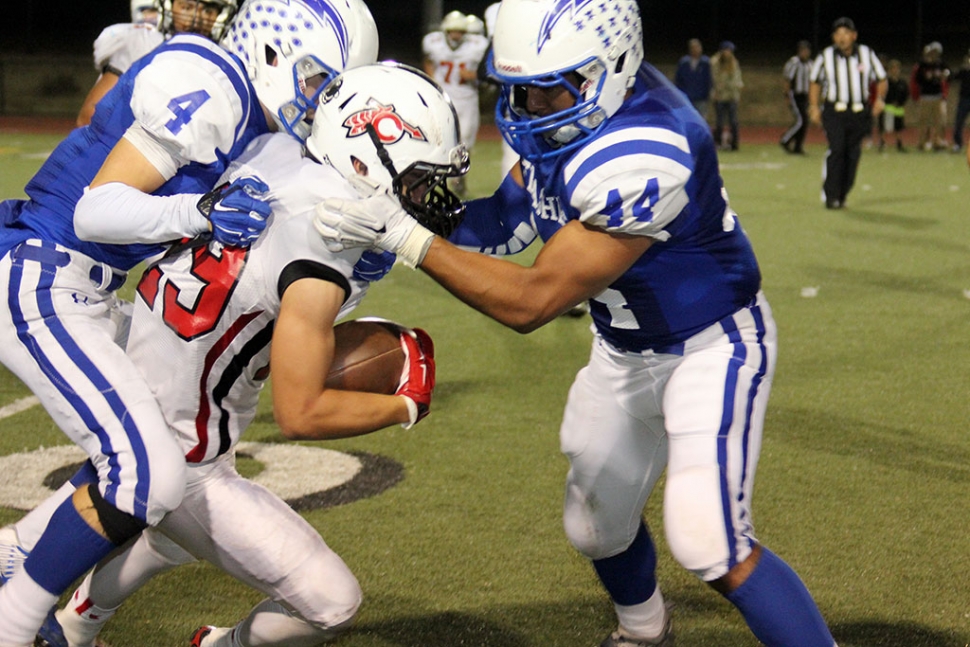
(843, 22)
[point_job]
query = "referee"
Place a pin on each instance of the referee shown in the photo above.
(841, 77)
(797, 72)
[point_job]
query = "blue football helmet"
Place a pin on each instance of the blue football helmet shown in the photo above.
(545, 43)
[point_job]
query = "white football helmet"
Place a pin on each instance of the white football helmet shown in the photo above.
(286, 43)
(475, 25)
(144, 12)
(544, 43)
(402, 126)
(454, 21)
(176, 16)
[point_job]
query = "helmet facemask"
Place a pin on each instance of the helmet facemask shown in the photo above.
(209, 19)
(538, 137)
(423, 190)
(296, 115)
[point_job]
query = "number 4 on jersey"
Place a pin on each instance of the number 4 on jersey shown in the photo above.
(183, 107)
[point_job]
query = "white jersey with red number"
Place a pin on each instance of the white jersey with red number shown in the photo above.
(204, 317)
(118, 46)
(448, 64)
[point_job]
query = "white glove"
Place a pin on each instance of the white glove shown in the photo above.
(379, 221)
(365, 186)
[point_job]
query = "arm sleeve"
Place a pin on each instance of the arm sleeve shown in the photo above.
(118, 213)
(499, 224)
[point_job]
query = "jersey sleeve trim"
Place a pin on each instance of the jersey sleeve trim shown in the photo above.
(304, 269)
(165, 160)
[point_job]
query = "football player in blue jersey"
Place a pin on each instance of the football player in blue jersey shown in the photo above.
(619, 178)
(111, 195)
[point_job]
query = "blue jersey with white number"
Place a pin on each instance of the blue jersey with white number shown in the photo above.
(651, 171)
(191, 95)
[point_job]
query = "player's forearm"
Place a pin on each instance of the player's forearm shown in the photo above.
(340, 414)
(503, 290)
(117, 213)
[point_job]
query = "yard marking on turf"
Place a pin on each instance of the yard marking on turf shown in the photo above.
(17, 406)
(752, 166)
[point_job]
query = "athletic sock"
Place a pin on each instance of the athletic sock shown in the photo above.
(23, 606)
(66, 550)
(32, 525)
(630, 577)
(644, 620)
(778, 608)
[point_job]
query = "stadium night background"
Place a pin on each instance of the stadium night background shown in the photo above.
(762, 29)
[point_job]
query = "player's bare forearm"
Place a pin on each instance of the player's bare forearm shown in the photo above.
(577, 263)
(302, 351)
(336, 414)
(127, 165)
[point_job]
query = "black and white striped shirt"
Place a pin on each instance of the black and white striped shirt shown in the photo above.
(845, 80)
(798, 73)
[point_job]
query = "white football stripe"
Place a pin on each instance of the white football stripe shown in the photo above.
(17, 406)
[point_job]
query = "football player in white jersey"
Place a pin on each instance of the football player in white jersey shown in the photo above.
(276, 304)
(111, 195)
(120, 45)
(621, 181)
(451, 57)
(144, 12)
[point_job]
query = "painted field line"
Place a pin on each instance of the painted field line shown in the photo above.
(17, 406)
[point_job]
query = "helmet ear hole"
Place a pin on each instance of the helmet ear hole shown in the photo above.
(270, 55)
(620, 62)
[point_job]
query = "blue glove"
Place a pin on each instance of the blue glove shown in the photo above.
(237, 211)
(373, 266)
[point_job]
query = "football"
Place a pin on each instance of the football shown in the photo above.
(367, 357)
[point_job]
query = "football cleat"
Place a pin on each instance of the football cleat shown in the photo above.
(207, 635)
(199, 634)
(50, 634)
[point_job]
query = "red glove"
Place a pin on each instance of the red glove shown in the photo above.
(417, 379)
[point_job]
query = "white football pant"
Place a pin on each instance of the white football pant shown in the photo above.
(251, 534)
(59, 334)
(700, 414)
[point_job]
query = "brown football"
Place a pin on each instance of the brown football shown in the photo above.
(367, 357)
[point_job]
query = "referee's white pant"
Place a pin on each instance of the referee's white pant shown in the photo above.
(58, 334)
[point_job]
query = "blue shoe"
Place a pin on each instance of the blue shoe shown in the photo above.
(50, 634)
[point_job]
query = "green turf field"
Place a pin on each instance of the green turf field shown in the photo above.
(864, 475)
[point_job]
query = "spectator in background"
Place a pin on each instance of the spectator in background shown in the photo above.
(726, 74)
(962, 77)
(796, 74)
(893, 116)
(451, 57)
(929, 85)
(693, 76)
